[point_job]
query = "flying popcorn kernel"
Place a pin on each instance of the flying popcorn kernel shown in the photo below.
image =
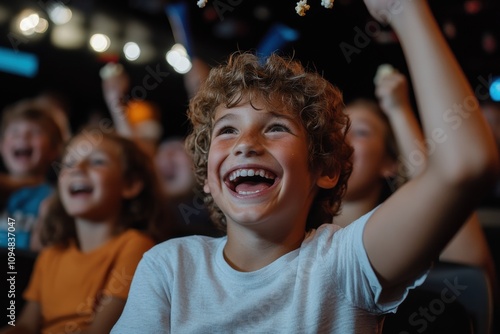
(327, 3)
(302, 7)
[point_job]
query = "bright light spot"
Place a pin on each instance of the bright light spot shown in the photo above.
(178, 58)
(183, 65)
(59, 13)
(132, 51)
(69, 36)
(42, 26)
(495, 89)
(172, 57)
(28, 23)
(99, 42)
(179, 48)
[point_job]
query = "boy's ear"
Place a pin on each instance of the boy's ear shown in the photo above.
(206, 188)
(327, 181)
(390, 169)
(132, 189)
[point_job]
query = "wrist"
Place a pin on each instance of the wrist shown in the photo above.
(400, 14)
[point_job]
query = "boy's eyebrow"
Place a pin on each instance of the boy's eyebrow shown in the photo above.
(274, 114)
(226, 116)
(283, 115)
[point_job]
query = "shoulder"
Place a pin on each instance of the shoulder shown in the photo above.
(134, 237)
(54, 250)
(330, 237)
(51, 255)
(38, 190)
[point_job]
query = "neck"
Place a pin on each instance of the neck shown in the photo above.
(91, 234)
(249, 252)
(22, 180)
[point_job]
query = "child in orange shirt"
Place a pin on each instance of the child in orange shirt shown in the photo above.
(95, 230)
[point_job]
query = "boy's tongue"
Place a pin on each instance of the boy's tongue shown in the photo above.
(251, 186)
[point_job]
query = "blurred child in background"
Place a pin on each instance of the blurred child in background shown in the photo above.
(30, 142)
(389, 149)
(98, 225)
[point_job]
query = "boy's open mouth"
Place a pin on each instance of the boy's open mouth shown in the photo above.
(78, 189)
(23, 152)
(247, 181)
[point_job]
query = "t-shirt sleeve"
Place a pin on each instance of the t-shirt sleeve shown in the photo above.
(118, 284)
(360, 283)
(148, 301)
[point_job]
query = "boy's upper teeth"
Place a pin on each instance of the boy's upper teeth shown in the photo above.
(250, 172)
(79, 187)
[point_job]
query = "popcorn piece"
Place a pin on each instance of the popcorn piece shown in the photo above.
(202, 3)
(382, 71)
(302, 7)
(327, 3)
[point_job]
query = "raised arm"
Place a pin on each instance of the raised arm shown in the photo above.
(115, 90)
(411, 228)
(394, 100)
(115, 85)
(469, 246)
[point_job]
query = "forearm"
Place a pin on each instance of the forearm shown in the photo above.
(410, 140)
(449, 109)
(118, 111)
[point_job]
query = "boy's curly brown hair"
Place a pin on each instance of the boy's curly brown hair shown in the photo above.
(315, 101)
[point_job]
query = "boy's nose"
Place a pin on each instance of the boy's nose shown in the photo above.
(23, 135)
(78, 166)
(248, 144)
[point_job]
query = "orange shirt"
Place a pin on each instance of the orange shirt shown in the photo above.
(69, 284)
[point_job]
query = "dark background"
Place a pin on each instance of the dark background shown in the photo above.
(225, 26)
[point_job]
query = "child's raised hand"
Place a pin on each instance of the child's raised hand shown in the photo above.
(392, 92)
(115, 83)
(385, 10)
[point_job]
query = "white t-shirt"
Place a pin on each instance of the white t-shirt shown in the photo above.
(184, 285)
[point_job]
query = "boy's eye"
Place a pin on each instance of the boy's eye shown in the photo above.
(360, 132)
(97, 161)
(226, 130)
(279, 128)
